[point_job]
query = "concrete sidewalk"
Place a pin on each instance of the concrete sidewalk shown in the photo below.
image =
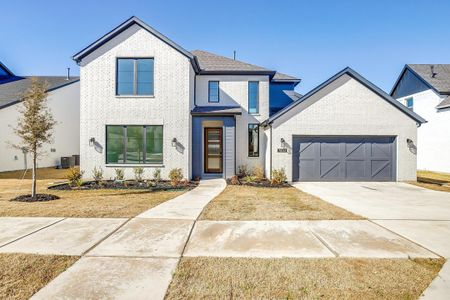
(137, 260)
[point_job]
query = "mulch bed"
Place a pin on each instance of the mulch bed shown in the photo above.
(163, 185)
(257, 183)
(38, 198)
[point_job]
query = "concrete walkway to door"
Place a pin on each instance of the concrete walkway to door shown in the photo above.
(137, 260)
(417, 214)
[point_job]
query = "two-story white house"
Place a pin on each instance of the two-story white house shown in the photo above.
(425, 89)
(146, 101)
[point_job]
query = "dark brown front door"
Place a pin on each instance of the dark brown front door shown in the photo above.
(213, 150)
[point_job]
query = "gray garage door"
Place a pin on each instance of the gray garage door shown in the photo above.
(343, 158)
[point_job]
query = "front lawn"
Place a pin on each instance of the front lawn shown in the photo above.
(42, 173)
(78, 203)
(239, 202)
(290, 278)
(22, 275)
(433, 181)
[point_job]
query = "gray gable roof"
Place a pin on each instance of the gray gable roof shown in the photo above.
(361, 79)
(293, 95)
(211, 63)
(128, 23)
(444, 103)
(12, 88)
(280, 77)
(441, 79)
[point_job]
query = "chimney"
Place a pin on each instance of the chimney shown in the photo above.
(432, 71)
(234, 55)
(68, 74)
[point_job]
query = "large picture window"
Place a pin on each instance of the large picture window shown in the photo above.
(134, 144)
(253, 140)
(135, 76)
(253, 97)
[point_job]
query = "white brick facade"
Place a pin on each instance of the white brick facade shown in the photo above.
(347, 108)
(170, 106)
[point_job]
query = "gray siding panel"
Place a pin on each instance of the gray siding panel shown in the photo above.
(343, 158)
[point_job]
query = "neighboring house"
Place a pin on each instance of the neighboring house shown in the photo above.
(64, 103)
(425, 89)
(148, 102)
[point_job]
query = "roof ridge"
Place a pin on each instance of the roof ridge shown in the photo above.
(228, 58)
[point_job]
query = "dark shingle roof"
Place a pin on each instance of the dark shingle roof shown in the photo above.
(11, 88)
(441, 80)
(220, 110)
(444, 103)
(293, 95)
(213, 63)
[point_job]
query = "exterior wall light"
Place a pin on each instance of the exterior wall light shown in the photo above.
(91, 141)
(283, 142)
(412, 148)
(174, 142)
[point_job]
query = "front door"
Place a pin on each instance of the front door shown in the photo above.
(213, 150)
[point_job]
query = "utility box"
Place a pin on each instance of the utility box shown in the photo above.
(67, 162)
(77, 159)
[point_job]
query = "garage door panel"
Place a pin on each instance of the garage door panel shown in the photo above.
(343, 158)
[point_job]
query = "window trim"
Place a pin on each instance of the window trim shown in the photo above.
(209, 91)
(257, 98)
(248, 140)
(134, 95)
(124, 141)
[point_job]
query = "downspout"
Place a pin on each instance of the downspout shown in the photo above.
(270, 175)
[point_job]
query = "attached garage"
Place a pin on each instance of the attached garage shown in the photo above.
(343, 158)
(346, 129)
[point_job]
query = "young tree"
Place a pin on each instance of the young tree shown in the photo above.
(35, 124)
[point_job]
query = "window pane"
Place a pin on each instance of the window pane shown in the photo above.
(135, 144)
(253, 97)
(114, 145)
(213, 91)
(145, 76)
(125, 76)
(253, 140)
(154, 148)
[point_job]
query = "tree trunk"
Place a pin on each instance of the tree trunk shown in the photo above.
(33, 186)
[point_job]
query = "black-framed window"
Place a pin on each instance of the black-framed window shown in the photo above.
(134, 144)
(135, 77)
(253, 97)
(213, 91)
(253, 140)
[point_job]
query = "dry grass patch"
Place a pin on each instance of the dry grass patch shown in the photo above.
(78, 203)
(431, 186)
(434, 175)
(430, 180)
(336, 278)
(257, 203)
(42, 173)
(22, 275)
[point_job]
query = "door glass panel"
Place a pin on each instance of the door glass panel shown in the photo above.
(213, 136)
(213, 149)
(214, 163)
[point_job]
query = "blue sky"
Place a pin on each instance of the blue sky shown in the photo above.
(309, 39)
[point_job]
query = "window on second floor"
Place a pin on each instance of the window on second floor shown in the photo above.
(135, 77)
(253, 97)
(410, 103)
(213, 91)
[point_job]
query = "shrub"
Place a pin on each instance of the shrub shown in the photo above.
(244, 171)
(235, 180)
(157, 175)
(120, 174)
(249, 179)
(258, 172)
(278, 177)
(97, 174)
(74, 177)
(175, 175)
(138, 171)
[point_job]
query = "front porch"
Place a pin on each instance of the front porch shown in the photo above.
(214, 141)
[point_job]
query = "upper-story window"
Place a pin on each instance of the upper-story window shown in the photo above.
(135, 77)
(213, 91)
(410, 103)
(253, 97)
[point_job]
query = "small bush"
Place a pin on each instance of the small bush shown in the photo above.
(157, 175)
(74, 176)
(244, 171)
(235, 180)
(258, 172)
(278, 177)
(97, 174)
(249, 179)
(138, 171)
(120, 174)
(175, 176)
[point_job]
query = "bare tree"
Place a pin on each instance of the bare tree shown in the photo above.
(35, 123)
